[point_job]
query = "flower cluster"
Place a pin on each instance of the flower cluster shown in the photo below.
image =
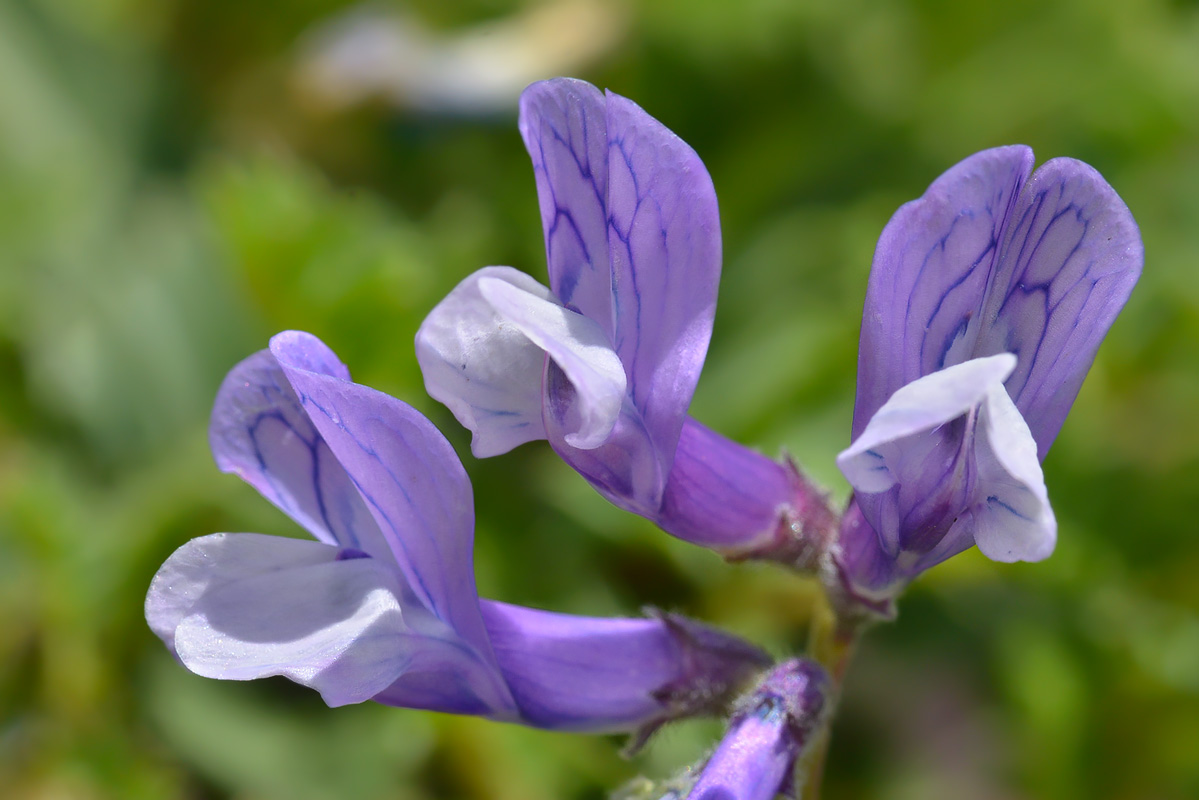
(987, 301)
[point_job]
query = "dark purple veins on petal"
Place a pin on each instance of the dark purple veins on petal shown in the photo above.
(350, 554)
(930, 275)
(393, 533)
(564, 125)
(267, 438)
(411, 480)
(1070, 259)
(664, 239)
(259, 432)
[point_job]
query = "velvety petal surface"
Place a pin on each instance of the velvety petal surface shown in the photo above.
(482, 367)
(664, 242)
(259, 432)
(722, 495)
(244, 606)
(582, 673)
(930, 274)
(602, 163)
(409, 476)
(1069, 261)
(580, 350)
(753, 762)
(565, 128)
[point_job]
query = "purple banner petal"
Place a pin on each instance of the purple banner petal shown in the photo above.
(260, 433)
(564, 125)
(664, 238)
(409, 476)
(930, 274)
(1070, 259)
(616, 184)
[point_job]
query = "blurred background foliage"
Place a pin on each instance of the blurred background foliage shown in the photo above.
(179, 179)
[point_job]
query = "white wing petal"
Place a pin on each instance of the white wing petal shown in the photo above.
(876, 461)
(483, 368)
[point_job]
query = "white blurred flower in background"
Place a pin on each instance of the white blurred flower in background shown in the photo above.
(372, 52)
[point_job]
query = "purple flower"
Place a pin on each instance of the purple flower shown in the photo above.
(603, 363)
(756, 758)
(987, 301)
(383, 605)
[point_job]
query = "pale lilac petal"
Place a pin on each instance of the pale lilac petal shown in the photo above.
(260, 433)
(564, 125)
(1069, 261)
(410, 478)
(913, 468)
(579, 348)
(930, 274)
(882, 455)
(484, 369)
(664, 240)
(1011, 520)
(245, 606)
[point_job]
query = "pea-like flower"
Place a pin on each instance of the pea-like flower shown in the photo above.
(987, 301)
(383, 605)
(604, 362)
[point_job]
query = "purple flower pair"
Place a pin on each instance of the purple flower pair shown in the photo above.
(987, 301)
(383, 605)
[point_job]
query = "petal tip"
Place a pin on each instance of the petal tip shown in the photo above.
(300, 350)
